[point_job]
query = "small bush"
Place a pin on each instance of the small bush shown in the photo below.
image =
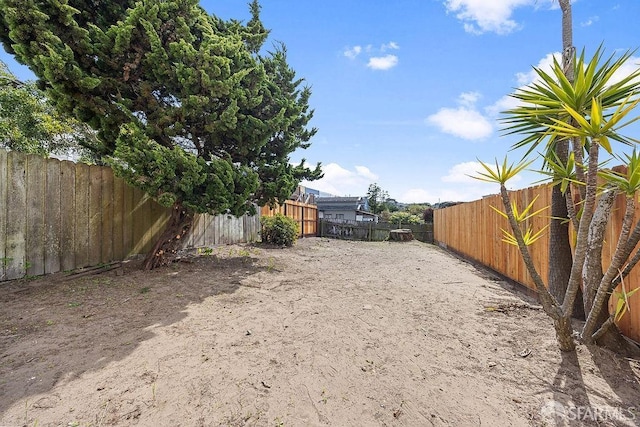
(405, 218)
(279, 230)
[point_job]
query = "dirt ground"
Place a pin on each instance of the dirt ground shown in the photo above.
(325, 333)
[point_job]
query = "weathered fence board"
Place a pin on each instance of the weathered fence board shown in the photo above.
(474, 230)
(197, 234)
(371, 231)
(67, 214)
(107, 213)
(52, 218)
(95, 215)
(62, 216)
(35, 175)
(16, 218)
(4, 179)
(128, 203)
(81, 235)
(118, 219)
(139, 212)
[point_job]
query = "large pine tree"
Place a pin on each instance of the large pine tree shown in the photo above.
(185, 105)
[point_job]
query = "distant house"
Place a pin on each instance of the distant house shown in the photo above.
(344, 209)
(305, 195)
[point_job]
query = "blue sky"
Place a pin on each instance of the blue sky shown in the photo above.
(407, 93)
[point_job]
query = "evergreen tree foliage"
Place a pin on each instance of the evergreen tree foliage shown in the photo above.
(185, 105)
(31, 124)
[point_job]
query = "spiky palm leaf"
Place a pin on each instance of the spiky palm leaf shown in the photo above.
(554, 99)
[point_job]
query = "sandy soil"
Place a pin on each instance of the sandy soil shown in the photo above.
(325, 333)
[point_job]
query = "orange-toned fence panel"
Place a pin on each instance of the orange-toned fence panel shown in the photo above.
(304, 214)
(473, 229)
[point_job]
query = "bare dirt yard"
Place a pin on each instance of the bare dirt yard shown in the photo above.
(327, 333)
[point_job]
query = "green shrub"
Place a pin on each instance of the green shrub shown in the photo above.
(279, 230)
(405, 218)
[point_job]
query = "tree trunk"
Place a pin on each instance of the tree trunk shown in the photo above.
(592, 275)
(401, 235)
(564, 333)
(560, 258)
(599, 312)
(612, 339)
(592, 268)
(171, 240)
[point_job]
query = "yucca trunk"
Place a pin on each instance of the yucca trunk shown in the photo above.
(560, 256)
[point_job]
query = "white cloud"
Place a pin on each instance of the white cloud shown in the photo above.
(503, 104)
(555, 4)
(390, 45)
(465, 121)
(545, 64)
(352, 52)
(418, 195)
(629, 67)
(523, 79)
(456, 186)
(343, 182)
(462, 122)
(480, 16)
(590, 21)
(377, 60)
(462, 172)
(382, 62)
(469, 99)
(365, 172)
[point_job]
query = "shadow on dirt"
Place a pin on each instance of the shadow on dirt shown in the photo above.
(55, 328)
(568, 378)
(571, 404)
(619, 374)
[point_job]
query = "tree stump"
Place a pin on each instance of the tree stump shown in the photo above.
(401, 235)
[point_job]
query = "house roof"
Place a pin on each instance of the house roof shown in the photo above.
(341, 203)
(340, 199)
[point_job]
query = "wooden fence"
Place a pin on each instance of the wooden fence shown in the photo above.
(371, 231)
(474, 230)
(58, 215)
(306, 215)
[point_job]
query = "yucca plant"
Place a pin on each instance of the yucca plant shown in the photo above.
(589, 113)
